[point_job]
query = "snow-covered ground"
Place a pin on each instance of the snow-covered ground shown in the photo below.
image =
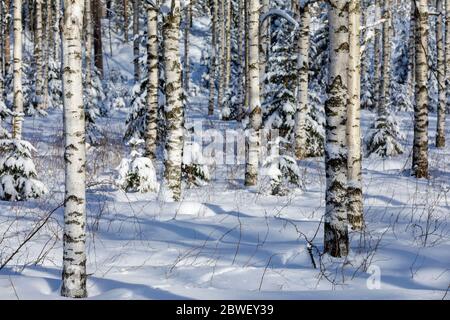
(225, 241)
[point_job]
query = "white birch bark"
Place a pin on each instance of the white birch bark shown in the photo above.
(252, 165)
(354, 190)
(420, 149)
(263, 46)
(440, 134)
(213, 58)
(221, 58)
(187, 31)
(153, 83)
(386, 67)
(376, 60)
(74, 255)
(38, 55)
(88, 40)
(174, 104)
(412, 50)
(136, 51)
(17, 69)
(302, 85)
(228, 47)
(335, 227)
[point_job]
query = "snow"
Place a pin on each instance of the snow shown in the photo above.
(225, 241)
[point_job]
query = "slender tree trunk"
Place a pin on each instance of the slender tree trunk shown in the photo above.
(98, 40)
(137, 69)
(88, 39)
(125, 19)
(440, 135)
(412, 50)
(376, 62)
(17, 67)
(386, 66)
(420, 149)
(38, 55)
(153, 83)
(263, 47)
(174, 104)
(335, 232)
(241, 51)
(228, 47)
(47, 43)
(252, 165)
(213, 58)
(247, 55)
(355, 198)
(74, 255)
(187, 31)
(302, 85)
(7, 48)
(222, 59)
(2, 47)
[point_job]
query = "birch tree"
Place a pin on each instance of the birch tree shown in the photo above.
(173, 109)
(213, 58)
(137, 70)
(252, 163)
(221, 58)
(412, 50)
(386, 66)
(263, 45)
(441, 52)
(355, 198)
(302, 87)
(153, 82)
(187, 31)
(74, 254)
(38, 55)
(88, 39)
(98, 38)
(420, 148)
(17, 69)
(335, 227)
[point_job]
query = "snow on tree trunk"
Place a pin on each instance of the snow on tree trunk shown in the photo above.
(302, 87)
(252, 163)
(7, 44)
(440, 136)
(38, 55)
(355, 198)
(152, 84)
(420, 149)
(74, 255)
(335, 228)
(17, 67)
(137, 70)
(386, 68)
(213, 59)
(171, 188)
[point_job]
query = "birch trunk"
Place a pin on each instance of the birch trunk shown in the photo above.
(48, 43)
(187, 30)
(440, 136)
(174, 104)
(38, 55)
(137, 69)
(74, 255)
(228, 47)
(412, 50)
(386, 66)
(213, 59)
(221, 56)
(263, 47)
(420, 149)
(241, 51)
(376, 62)
(7, 48)
(302, 85)
(88, 39)
(98, 38)
(354, 190)
(153, 83)
(17, 68)
(252, 165)
(335, 228)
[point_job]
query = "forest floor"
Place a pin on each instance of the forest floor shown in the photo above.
(225, 241)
